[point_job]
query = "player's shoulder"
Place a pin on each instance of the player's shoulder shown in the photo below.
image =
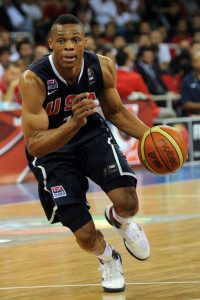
(108, 70)
(29, 78)
(106, 61)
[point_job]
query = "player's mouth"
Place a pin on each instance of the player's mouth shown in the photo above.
(69, 58)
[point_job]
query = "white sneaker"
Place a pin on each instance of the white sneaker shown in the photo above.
(113, 279)
(134, 237)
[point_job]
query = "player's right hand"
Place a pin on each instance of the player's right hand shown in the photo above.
(82, 107)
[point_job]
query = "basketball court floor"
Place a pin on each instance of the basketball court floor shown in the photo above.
(42, 261)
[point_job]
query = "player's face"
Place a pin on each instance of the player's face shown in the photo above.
(68, 43)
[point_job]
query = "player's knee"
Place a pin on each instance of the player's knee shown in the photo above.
(130, 204)
(87, 240)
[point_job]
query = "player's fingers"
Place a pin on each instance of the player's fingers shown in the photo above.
(80, 97)
(84, 105)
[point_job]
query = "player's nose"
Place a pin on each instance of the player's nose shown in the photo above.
(69, 45)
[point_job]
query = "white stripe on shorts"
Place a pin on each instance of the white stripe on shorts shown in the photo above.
(44, 174)
(117, 161)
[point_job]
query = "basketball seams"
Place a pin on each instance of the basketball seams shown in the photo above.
(176, 146)
(143, 153)
(154, 150)
(159, 151)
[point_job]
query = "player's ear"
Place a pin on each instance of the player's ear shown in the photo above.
(50, 44)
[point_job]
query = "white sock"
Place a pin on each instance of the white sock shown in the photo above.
(121, 220)
(107, 255)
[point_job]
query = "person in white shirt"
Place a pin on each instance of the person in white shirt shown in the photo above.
(105, 10)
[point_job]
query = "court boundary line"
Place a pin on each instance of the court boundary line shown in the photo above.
(97, 284)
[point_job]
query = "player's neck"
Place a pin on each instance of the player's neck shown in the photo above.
(71, 75)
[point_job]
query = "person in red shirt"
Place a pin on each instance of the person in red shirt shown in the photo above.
(9, 91)
(131, 86)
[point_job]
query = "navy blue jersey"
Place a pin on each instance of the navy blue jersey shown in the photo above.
(60, 94)
(92, 153)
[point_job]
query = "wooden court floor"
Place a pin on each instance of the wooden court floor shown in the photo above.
(42, 261)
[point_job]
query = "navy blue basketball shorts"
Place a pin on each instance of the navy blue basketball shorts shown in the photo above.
(63, 177)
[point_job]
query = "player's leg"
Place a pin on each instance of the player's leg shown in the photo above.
(118, 180)
(60, 186)
(78, 219)
(120, 215)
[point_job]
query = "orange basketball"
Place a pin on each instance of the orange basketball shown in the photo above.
(162, 150)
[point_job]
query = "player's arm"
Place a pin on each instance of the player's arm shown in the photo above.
(38, 138)
(111, 104)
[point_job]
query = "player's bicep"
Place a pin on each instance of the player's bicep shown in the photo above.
(33, 93)
(109, 97)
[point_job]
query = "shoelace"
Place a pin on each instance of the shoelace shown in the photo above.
(110, 270)
(130, 231)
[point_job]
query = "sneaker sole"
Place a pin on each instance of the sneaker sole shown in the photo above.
(107, 290)
(129, 251)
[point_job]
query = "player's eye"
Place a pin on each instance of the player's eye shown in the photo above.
(61, 41)
(76, 40)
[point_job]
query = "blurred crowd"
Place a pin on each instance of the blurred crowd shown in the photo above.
(155, 45)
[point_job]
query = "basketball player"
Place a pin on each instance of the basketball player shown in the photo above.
(67, 141)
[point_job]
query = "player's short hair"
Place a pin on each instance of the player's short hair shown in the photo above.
(66, 19)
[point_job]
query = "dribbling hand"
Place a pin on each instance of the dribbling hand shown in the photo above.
(82, 107)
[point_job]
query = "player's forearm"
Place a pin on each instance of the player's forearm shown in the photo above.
(48, 141)
(128, 123)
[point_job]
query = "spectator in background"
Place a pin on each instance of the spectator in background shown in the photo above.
(107, 52)
(105, 11)
(195, 23)
(91, 44)
(196, 36)
(9, 91)
(163, 12)
(96, 32)
(144, 40)
(24, 49)
(181, 32)
(5, 22)
(136, 8)
(52, 10)
(40, 51)
(31, 9)
(144, 28)
(190, 88)
(5, 38)
(34, 12)
(162, 60)
(109, 33)
(164, 33)
(191, 7)
(123, 16)
(118, 42)
(84, 5)
(164, 57)
(4, 57)
(131, 54)
(131, 86)
(181, 64)
(17, 17)
(82, 16)
(144, 65)
(194, 46)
